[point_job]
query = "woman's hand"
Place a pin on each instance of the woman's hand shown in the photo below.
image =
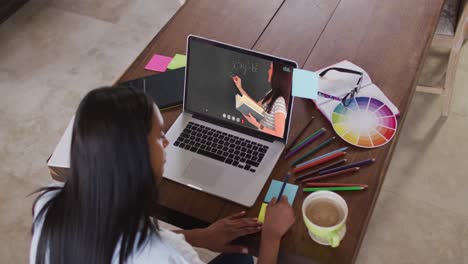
(279, 217)
(237, 81)
(252, 120)
(217, 236)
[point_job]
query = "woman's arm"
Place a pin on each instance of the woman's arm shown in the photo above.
(217, 236)
(269, 247)
(279, 217)
(238, 82)
(280, 122)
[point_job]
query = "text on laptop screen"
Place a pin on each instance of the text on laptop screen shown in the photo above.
(239, 88)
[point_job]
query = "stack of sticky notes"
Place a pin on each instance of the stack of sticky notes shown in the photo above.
(160, 63)
(274, 190)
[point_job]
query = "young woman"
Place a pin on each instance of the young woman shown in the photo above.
(274, 103)
(105, 211)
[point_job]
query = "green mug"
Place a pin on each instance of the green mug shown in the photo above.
(331, 235)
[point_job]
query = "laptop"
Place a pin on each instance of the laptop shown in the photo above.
(218, 145)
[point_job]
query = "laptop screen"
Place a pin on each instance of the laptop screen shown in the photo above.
(238, 87)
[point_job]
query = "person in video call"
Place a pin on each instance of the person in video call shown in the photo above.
(274, 103)
(106, 210)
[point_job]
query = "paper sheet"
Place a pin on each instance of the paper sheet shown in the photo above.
(339, 84)
(61, 156)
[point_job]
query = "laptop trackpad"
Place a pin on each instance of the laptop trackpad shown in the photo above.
(202, 172)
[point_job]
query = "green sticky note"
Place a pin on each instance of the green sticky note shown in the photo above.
(261, 215)
(275, 188)
(178, 61)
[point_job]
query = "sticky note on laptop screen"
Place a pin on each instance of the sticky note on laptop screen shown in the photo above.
(275, 188)
(305, 84)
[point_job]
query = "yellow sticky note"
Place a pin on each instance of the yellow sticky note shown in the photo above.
(178, 61)
(261, 215)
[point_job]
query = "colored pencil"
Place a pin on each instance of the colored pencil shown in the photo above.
(314, 150)
(336, 173)
(355, 164)
(285, 181)
(318, 162)
(323, 156)
(329, 184)
(350, 188)
(307, 138)
(306, 142)
(326, 167)
(299, 136)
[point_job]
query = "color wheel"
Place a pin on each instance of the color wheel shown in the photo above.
(366, 122)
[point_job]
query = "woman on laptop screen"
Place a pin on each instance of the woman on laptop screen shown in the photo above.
(106, 210)
(272, 119)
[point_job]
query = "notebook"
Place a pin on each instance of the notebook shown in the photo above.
(339, 84)
(166, 89)
(245, 105)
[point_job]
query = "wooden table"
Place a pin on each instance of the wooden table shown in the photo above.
(388, 39)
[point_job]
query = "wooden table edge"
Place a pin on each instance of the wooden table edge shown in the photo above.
(147, 46)
(389, 157)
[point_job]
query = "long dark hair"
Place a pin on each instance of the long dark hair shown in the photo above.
(280, 86)
(111, 193)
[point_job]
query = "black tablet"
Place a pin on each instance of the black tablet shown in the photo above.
(166, 88)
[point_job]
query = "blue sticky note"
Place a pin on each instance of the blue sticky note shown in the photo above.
(305, 84)
(275, 188)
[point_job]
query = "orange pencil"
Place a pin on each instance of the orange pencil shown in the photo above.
(332, 174)
(318, 162)
(330, 184)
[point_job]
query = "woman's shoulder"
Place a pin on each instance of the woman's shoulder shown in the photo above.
(280, 100)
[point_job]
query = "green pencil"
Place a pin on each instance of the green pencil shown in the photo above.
(305, 139)
(351, 188)
(323, 144)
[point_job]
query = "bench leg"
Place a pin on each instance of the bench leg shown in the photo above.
(453, 63)
(449, 81)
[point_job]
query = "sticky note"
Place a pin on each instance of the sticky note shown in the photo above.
(305, 84)
(177, 62)
(158, 63)
(275, 188)
(261, 215)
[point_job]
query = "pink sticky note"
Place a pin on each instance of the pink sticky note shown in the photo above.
(158, 63)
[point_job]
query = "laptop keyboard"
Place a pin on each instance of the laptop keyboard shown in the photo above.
(221, 146)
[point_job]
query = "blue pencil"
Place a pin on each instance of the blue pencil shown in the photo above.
(285, 181)
(323, 156)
